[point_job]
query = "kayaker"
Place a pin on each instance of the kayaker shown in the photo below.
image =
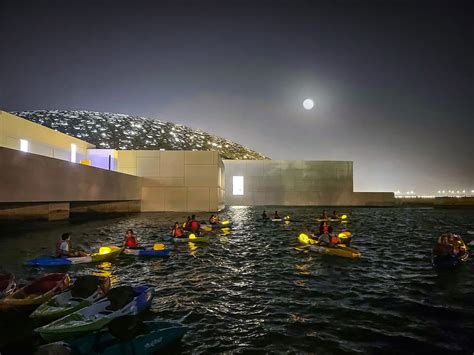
(323, 227)
(264, 215)
(177, 232)
(323, 215)
(324, 240)
(460, 243)
(335, 215)
(442, 247)
(186, 225)
(276, 216)
(194, 225)
(213, 219)
(130, 240)
(459, 248)
(334, 239)
(64, 249)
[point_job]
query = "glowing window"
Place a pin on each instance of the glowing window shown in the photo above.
(73, 152)
(24, 145)
(238, 185)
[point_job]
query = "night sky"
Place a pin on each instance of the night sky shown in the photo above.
(392, 81)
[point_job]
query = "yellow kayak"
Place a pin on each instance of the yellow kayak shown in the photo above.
(340, 250)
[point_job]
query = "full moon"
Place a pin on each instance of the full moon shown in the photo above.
(308, 104)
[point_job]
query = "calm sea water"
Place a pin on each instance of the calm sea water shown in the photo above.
(254, 290)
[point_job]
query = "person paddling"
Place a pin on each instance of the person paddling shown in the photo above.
(264, 215)
(276, 216)
(64, 249)
(333, 238)
(194, 225)
(130, 240)
(177, 232)
(213, 219)
(323, 227)
(187, 224)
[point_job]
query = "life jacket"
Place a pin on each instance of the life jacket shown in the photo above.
(326, 229)
(178, 232)
(335, 239)
(131, 242)
(194, 224)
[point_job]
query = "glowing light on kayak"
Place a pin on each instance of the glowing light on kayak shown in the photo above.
(344, 234)
(343, 216)
(304, 238)
(158, 246)
(192, 236)
(225, 222)
(104, 250)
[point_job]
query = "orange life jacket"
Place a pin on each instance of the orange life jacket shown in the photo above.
(335, 239)
(194, 224)
(178, 232)
(131, 242)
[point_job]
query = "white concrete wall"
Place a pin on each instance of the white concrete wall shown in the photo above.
(176, 180)
(42, 140)
(298, 182)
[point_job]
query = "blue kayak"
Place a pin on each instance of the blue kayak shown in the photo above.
(154, 336)
(110, 253)
(146, 252)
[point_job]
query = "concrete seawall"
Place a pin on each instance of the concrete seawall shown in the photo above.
(35, 186)
(437, 202)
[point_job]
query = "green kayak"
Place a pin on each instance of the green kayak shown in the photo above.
(85, 291)
(120, 301)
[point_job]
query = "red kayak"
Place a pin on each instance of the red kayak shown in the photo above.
(7, 284)
(37, 292)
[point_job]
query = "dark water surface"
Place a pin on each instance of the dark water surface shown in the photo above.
(253, 290)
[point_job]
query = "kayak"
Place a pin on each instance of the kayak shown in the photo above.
(105, 253)
(7, 284)
(340, 250)
(85, 291)
(153, 336)
(342, 219)
(146, 252)
(220, 225)
(120, 301)
(189, 240)
(38, 291)
(284, 219)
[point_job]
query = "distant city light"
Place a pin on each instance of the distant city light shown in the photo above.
(444, 191)
(24, 145)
